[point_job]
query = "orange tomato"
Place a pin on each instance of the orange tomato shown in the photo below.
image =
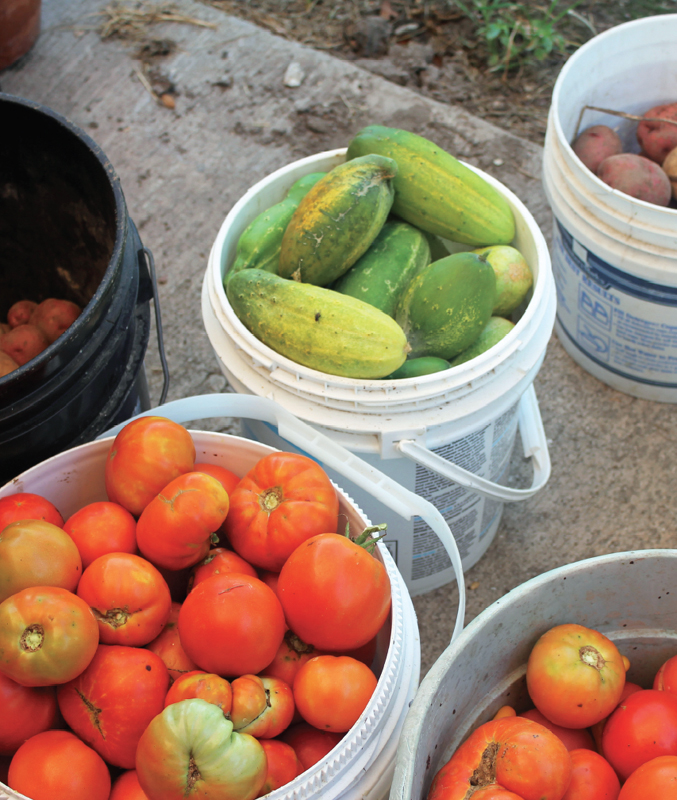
(101, 528)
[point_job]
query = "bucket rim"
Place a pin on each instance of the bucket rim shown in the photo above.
(454, 377)
(121, 226)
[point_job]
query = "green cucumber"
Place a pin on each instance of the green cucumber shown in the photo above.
(415, 367)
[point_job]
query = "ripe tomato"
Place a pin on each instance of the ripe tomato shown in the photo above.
(280, 503)
(26, 711)
(212, 688)
(127, 787)
(112, 702)
(335, 594)
(291, 655)
(36, 553)
(514, 754)
(219, 560)
(310, 744)
(262, 706)
(48, 635)
(654, 780)
(229, 480)
(572, 738)
(175, 529)
(191, 749)
(145, 456)
(644, 726)
(575, 676)
(231, 624)
(331, 692)
(592, 777)
(598, 728)
(101, 528)
(129, 598)
(665, 679)
(27, 505)
(168, 646)
(283, 765)
(56, 765)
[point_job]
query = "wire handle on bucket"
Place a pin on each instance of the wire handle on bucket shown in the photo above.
(383, 488)
(535, 447)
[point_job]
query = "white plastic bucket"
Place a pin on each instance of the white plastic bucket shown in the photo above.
(362, 764)
(448, 436)
(614, 256)
(627, 596)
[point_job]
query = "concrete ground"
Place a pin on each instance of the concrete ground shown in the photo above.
(235, 121)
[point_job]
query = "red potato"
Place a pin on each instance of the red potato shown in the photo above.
(5, 327)
(670, 169)
(23, 343)
(636, 176)
(54, 317)
(595, 144)
(657, 139)
(7, 363)
(20, 313)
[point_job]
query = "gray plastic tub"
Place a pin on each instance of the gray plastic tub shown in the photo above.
(631, 597)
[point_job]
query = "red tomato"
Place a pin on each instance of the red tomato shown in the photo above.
(127, 787)
(229, 480)
(366, 653)
(665, 679)
(36, 553)
(592, 777)
(219, 560)
(231, 624)
(27, 505)
(175, 529)
(575, 676)
(280, 503)
(331, 692)
(112, 702)
(291, 655)
(56, 765)
(212, 688)
(572, 738)
(129, 598)
(270, 578)
(168, 646)
(310, 744)
(48, 636)
(283, 765)
(524, 758)
(654, 780)
(644, 726)
(262, 706)
(145, 456)
(25, 711)
(335, 594)
(190, 749)
(598, 728)
(101, 528)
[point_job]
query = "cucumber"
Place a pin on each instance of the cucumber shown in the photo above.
(397, 254)
(415, 367)
(317, 327)
(491, 334)
(336, 222)
(446, 306)
(437, 193)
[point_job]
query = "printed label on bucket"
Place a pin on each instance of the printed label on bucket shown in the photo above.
(624, 324)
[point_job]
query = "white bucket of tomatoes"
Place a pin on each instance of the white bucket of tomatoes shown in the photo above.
(564, 689)
(193, 614)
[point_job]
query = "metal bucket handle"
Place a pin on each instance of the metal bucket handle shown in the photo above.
(383, 488)
(535, 447)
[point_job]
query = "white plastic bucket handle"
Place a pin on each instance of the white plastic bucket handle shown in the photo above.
(535, 447)
(383, 488)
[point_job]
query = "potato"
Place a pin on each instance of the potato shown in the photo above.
(595, 144)
(657, 139)
(4, 327)
(54, 316)
(636, 176)
(23, 343)
(7, 364)
(670, 169)
(20, 313)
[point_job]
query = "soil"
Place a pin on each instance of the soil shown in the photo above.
(432, 47)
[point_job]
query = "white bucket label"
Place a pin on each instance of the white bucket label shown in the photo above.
(624, 324)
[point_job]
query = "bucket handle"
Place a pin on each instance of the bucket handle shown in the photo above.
(535, 447)
(382, 487)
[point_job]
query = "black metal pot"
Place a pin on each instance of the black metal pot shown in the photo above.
(65, 232)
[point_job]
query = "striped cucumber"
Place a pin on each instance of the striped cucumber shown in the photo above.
(337, 220)
(437, 193)
(317, 327)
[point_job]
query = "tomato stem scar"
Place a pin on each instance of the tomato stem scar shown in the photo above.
(592, 657)
(32, 638)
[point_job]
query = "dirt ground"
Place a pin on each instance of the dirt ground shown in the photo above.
(432, 47)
